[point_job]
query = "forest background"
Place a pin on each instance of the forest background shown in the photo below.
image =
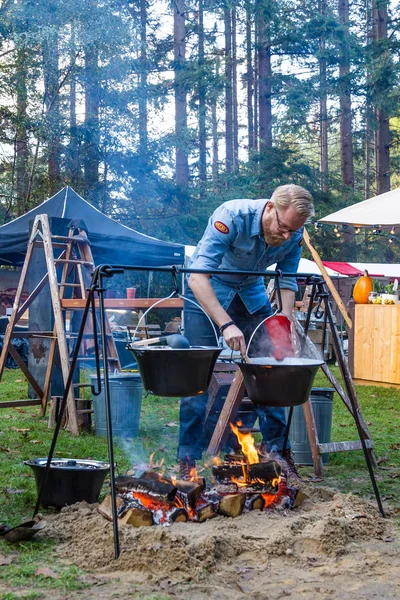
(156, 111)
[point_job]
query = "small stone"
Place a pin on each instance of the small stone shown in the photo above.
(289, 552)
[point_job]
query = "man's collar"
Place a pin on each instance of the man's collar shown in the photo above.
(256, 226)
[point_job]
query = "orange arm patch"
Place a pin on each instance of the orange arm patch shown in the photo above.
(221, 227)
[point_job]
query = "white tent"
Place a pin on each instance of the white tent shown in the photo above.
(382, 210)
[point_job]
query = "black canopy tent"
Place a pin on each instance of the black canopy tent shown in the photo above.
(111, 242)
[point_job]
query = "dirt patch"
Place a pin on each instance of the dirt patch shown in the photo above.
(333, 541)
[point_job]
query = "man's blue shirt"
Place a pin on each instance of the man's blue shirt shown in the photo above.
(234, 239)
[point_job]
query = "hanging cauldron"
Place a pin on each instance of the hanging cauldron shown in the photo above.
(271, 382)
(176, 371)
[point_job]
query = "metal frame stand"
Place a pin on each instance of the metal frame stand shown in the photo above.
(97, 288)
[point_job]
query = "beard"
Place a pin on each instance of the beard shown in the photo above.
(270, 238)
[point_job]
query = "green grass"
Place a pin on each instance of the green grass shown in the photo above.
(24, 434)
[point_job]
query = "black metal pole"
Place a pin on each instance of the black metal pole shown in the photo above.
(64, 400)
(344, 369)
(103, 330)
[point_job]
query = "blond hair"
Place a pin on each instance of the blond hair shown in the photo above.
(296, 196)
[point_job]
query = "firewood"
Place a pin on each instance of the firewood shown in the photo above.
(250, 488)
(204, 512)
(178, 515)
(299, 499)
(232, 505)
(256, 502)
(265, 471)
(190, 491)
(137, 517)
(161, 490)
(105, 508)
(153, 476)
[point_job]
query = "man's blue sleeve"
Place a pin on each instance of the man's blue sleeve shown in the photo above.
(220, 233)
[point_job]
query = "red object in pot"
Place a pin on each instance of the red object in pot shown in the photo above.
(279, 330)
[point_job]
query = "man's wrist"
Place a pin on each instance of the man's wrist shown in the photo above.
(225, 326)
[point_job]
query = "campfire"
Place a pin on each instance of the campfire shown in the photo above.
(242, 482)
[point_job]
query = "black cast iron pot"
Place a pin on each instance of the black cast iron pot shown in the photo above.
(69, 480)
(271, 382)
(176, 371)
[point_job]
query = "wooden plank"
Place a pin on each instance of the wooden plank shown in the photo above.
(343, 446)
(327, 279)
(127, 303)
(313, 438)
(228, 414)
(59, 324)
(14, 403)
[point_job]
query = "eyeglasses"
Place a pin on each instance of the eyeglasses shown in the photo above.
(283, 228)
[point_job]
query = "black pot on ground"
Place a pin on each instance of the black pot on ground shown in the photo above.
(69, 480)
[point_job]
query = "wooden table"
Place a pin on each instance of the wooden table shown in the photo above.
(374, 346)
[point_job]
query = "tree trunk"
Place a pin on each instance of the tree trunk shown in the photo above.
(202, 103)
(382, 135)
(214, 130)
(52, 104)
(181, 156)
(228, 91)
(256, 79)
(264, 77)
(91, 161)
(21, 137)
(75, 175)
(323, 109)
(143, 134)
(249, 79)
(235, 90)
(368, 111)
(346, 134)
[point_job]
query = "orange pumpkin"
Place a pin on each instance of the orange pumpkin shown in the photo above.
(362, 288)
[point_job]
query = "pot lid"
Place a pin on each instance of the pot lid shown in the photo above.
(68, 463)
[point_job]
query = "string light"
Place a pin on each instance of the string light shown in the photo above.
(357, 230)
(338, 234)
(391, 240)
(336, 229)
(393, 231)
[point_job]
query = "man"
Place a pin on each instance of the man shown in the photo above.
(247, 235)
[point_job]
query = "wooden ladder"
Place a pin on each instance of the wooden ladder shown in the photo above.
(71, 268)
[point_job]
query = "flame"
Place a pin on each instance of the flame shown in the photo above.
(193, 474)
(247, 444)
(271, 499)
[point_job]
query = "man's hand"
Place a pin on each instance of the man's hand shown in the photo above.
(234, 339)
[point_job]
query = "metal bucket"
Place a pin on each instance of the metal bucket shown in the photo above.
(288, 382)
(176, 372)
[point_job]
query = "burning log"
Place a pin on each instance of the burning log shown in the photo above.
(256, 502)
(137, 517)
(263, 471)
(177, 515)
(204, 512)
(232, 505)
(159, 489)
(190, 491)
(247, 488)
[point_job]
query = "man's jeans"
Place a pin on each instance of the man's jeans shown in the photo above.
(198, 330)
